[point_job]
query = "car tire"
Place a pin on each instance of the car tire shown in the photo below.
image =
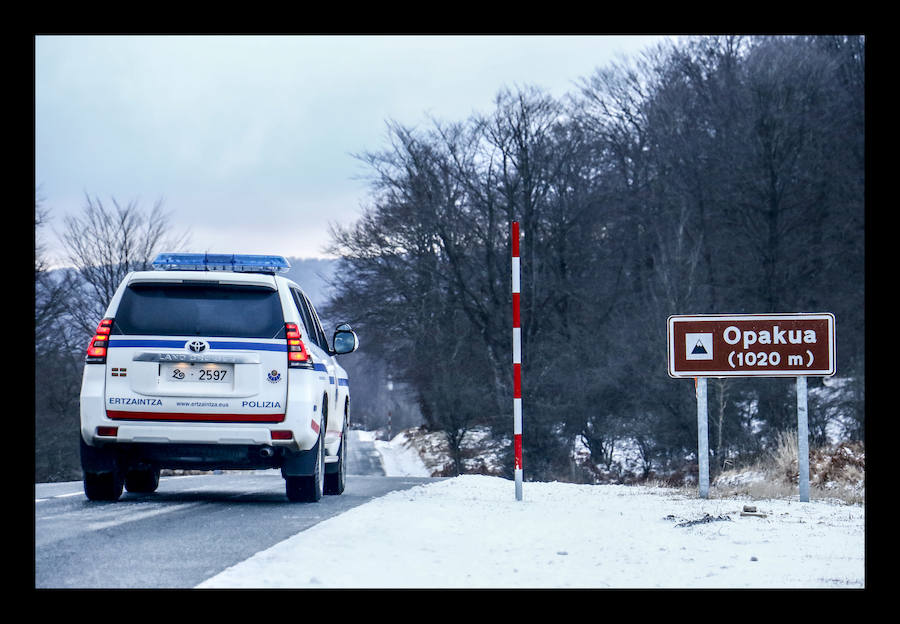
(310, 488)
(335, 481)
(103, 486)
(142, 481)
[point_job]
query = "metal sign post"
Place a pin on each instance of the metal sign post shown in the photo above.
(517, 361)
(802, 439)
(702, 438)
(752, 345)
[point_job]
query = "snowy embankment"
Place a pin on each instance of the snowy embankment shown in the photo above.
(397, 458)
(470, 532)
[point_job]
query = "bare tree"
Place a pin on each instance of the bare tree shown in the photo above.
(105, 244)
(49, 289)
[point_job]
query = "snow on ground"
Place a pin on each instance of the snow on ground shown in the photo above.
(398, 460)
(470, 532)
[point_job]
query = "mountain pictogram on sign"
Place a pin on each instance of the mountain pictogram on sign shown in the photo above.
(698, 346)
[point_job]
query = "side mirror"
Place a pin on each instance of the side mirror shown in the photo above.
(345, 339)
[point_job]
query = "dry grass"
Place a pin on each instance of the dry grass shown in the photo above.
(835, 473)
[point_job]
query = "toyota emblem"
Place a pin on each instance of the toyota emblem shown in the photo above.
(197, 346)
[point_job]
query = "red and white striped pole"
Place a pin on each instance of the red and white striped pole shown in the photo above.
(517, 361)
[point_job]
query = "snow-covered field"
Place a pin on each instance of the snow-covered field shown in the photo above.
(470, 532)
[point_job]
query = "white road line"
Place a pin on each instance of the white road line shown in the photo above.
(41, 500)
(140, 515)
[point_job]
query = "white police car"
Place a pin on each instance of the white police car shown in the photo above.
(214, 362)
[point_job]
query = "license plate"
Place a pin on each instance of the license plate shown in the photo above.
(204, 372)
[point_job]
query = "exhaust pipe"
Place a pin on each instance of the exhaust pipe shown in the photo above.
(267, 451)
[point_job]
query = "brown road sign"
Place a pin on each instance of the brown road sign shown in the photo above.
(751, 345)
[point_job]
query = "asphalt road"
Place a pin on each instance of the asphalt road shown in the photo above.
(190, 529)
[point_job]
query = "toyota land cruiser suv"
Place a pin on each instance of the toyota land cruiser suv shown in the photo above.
(214, 362)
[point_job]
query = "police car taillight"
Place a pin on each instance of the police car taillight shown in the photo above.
(96, 351)
(298, 356)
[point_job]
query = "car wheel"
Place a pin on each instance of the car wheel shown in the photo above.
(142, 481)
(310, 488)
(334, 482)
(103, 486)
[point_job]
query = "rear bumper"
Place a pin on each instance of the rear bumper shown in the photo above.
(193, 428)
(163, 433)
(122, 456)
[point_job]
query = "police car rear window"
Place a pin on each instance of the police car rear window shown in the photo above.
(199, 310)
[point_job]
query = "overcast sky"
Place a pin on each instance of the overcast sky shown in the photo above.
(249, 140)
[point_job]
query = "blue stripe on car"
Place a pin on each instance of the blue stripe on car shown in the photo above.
(213, 344)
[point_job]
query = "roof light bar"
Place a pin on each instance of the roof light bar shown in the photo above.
(238, 263)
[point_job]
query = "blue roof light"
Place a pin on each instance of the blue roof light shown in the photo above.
(239, 263)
